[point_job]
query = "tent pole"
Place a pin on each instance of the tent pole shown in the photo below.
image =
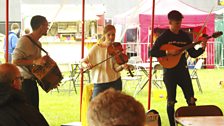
(7, 32)
(151, 43)
(82, 54)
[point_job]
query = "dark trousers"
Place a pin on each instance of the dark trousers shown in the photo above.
(29, 87)
(117, 85)
(171, 80)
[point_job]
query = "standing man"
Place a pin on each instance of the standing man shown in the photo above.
(27, 54)
(12, 41)
(178, 75)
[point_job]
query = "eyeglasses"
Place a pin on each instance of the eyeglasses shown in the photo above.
(19, 78)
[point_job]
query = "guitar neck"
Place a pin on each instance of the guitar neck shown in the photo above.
(189, 46)
(192, 45)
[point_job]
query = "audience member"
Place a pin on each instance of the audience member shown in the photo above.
(14, 110)
(152, 118)
(114, 108)
(12, 41)
(27, 31)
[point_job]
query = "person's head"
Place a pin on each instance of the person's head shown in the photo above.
(15, 27)
(108, 34)
(40, 24)
(114, 108)
(27, 31)
(10, 76)
(175, 20)
(152, 118)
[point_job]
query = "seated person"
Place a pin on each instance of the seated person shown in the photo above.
(114, 108)
(14, 110)
(152, 118)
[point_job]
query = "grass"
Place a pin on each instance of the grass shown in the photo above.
(60, 108)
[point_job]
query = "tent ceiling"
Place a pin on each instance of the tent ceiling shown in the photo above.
(57, 12)
(164, 6)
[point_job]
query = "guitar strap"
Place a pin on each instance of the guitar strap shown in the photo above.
(29, 69)
(36, 44)
(39, 48)
(44, 85)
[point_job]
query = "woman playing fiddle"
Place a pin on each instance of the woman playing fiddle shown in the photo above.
(106, 74)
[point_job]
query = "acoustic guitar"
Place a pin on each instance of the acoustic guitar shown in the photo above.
(171, 61)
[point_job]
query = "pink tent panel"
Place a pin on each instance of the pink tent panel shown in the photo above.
(189, 21)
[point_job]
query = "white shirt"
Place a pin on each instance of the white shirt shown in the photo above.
(103, 72)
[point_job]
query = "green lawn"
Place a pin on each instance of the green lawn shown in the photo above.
(60, 108)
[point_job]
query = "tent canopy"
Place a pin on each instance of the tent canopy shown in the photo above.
(164, 6)
(192, 16)
(62, 12)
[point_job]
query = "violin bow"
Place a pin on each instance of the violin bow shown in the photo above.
(102, 61)
(206, 20)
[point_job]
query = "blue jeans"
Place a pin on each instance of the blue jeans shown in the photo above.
(98, 88)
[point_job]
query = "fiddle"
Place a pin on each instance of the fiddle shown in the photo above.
(115, 50)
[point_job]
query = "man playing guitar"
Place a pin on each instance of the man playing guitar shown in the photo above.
(179, 74)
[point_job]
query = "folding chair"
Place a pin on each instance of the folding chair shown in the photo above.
(64, 68)
(203, 110)
(194, 74)
(74, 75)
(136, 72)
(155, 78)
(135, 79)
(70, 76)
(141, 85)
